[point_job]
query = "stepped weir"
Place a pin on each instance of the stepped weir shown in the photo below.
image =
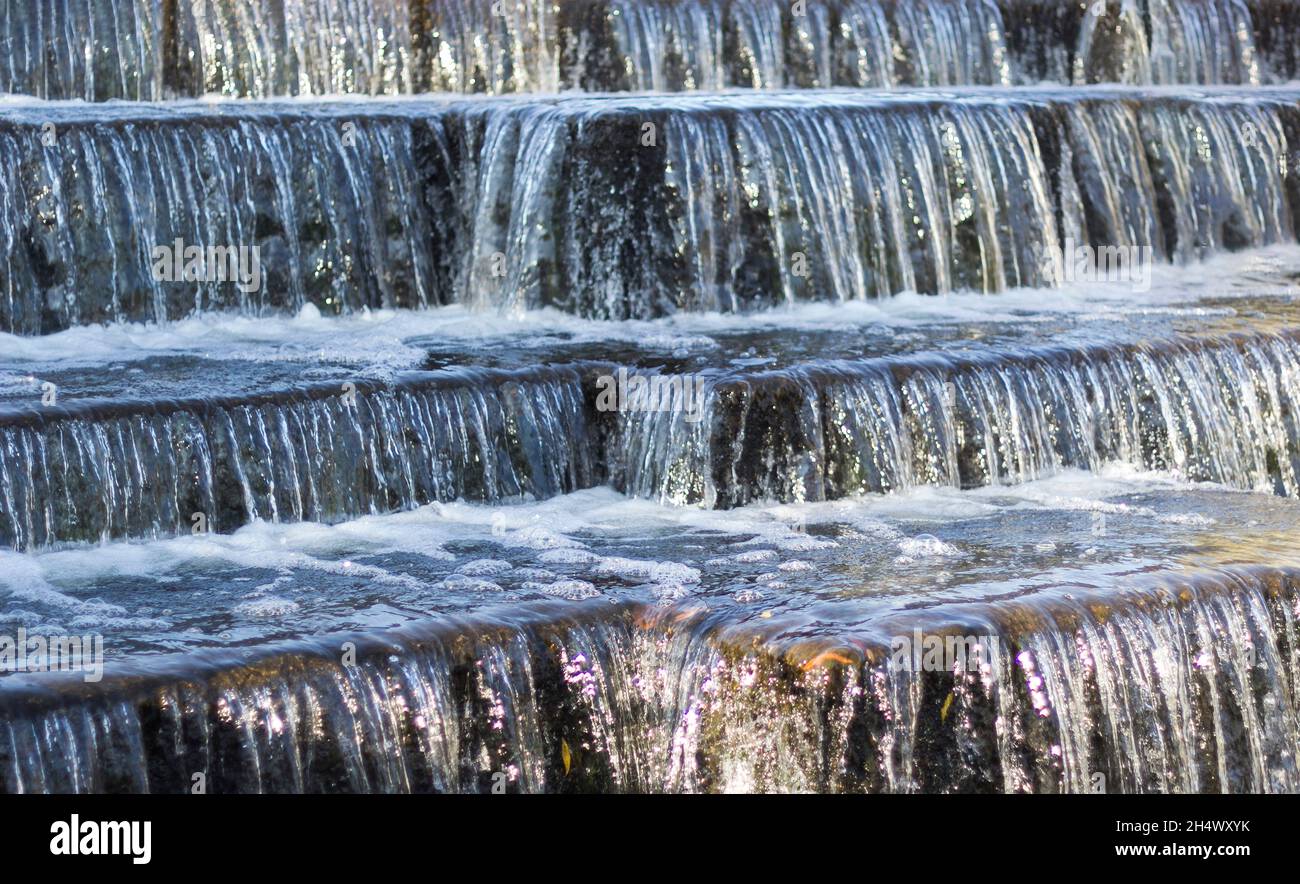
(649, 396)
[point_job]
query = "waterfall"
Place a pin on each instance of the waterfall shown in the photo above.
(767, 201)
(300, 47)
(152, 49)
(342, 231)
(447, 718)
(1203, 43)
(92, 474)
(1192, 697)
(1206, 410)
(89, 49)
(1154, 696)
(649, 396)
(1211, 409)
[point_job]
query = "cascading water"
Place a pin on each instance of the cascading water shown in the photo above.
(150, 49)
(1192, 697)
(323, 456)
(345, 234)
(1157, 697)
(594, 395)
(764, 202)
(88, 49)
(1212, 411)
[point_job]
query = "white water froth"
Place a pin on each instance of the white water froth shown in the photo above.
(561, 532)
(376, 342)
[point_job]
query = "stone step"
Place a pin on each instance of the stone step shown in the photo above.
(160, 445)
(1149, 645)
(625, 207)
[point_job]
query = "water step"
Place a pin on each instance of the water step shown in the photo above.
(95, 469)
(623, 207)
(1213, 408)
(767, 649)
(150, 49)
(416, 712)
(169, 444)
(1181, 685)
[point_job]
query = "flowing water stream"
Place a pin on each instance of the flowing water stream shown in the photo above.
(152, 49)
(660, 396)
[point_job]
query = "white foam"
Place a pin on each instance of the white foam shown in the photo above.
(547, 533)
(539, 538)
(537, 575)
(379, 341)
(568, 557)
(485, 568)
(566, 589)
(639, 569)
(266, 607)
(927, 546)
(465, 583)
